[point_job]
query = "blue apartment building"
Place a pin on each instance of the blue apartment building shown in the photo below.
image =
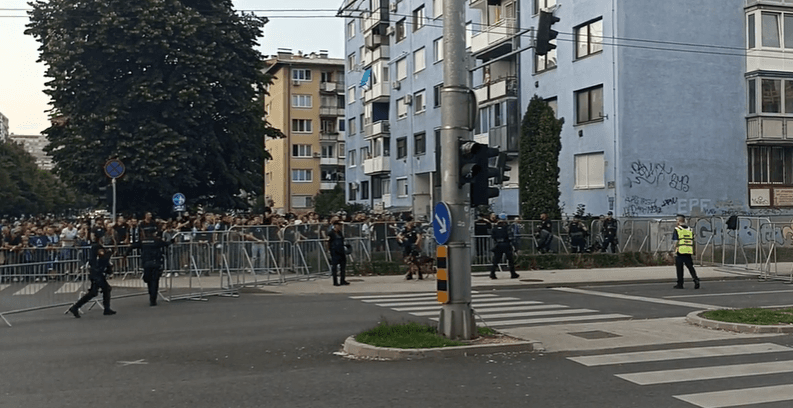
(669, 107)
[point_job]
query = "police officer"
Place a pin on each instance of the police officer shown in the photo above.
(683, 238)
(503, 236)
(99, 267)
(609, 233)
(410, 239)
(338, 254)
(151, 255)
(578, 233)
(544, 235)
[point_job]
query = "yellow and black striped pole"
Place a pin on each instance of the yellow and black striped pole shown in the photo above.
(442, 274)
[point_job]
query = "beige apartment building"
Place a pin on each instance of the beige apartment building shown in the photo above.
(305, 101)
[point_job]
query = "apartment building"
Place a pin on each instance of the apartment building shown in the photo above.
(669, 107)
(34, 144)
(306, 101)
(4, 132)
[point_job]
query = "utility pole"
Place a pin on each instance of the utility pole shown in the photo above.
(457, 318)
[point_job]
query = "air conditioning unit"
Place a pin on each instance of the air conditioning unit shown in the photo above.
(386, 127)
(393, 7)
(316, 155)
(396, 85)
(295, 83)
(389, 30)
(408, 99)
(355, 185)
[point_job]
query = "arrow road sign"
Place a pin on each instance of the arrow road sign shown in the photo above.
(178, 199)
(442, 223)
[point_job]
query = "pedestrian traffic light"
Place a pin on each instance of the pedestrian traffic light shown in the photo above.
(503, 168)
(545, 34)
(481, 192)
(469, 166)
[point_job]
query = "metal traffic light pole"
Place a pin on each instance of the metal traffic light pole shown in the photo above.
(457, 318)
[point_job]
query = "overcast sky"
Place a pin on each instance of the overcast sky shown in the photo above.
(22, 78)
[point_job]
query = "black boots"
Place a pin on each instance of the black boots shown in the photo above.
(514, 275)
(696, 284)
(75, 311)
(109, 312)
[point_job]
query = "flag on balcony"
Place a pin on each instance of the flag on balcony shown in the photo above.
(367, 76)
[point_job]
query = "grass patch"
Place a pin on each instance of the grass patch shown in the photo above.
(486, 331)
(405, 335)
(752, 316)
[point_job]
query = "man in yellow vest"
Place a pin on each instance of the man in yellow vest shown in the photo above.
(683, 238)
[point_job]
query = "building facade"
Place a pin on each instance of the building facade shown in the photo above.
(669, 107)
(305, 101)
(34, 144)
(4, 132)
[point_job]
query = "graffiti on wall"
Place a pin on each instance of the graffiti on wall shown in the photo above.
(657, 174)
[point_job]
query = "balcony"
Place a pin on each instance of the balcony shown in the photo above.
(380, 92)
(379, 128)
(328, 185)
(329, 136)
(493, 41)
(331, 111)
(506, 137)
(371, 56)
(498, 89)
(377, 165)
(769, 129)
(333, 87)
(379, 16)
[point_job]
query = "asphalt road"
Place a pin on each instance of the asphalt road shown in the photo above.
(266, 350)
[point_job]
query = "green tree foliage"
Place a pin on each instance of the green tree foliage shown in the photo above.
(540, 145)
(173, 88)
(26, 189)
(330, 202)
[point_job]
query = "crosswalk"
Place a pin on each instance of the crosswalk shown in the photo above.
(701, 365)
(33, 288)
(491, 309)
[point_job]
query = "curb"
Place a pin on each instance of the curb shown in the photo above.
(697, 320)
(572, 284)
(354, 348)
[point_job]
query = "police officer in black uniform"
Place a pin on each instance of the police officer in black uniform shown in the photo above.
(544, 235)
(410, 239)
(99, 267)
(578, 234)
(503, 236)
(609, 233)
(338, 254)
(151, 255)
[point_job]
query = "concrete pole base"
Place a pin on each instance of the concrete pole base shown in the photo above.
(457, 322)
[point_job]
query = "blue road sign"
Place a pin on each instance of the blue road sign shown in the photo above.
(442, 223)
(178, 199)
(114, 168)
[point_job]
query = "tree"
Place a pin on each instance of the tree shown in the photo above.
(330, 202)
(540, 146)
(173, 88)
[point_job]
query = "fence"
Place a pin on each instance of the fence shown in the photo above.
(200, 264)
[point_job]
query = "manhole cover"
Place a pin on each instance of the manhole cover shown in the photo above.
(354, 280)
(531, 280)
(595, 334)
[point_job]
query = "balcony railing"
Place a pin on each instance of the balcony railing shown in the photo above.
(377, 129)
(500, 88)
(493, 35)
(379, 92)
(332, 87)
(371, 56)
(769, 129)
(326, 135)
(378, 16)
(376, 165)
(331, 111)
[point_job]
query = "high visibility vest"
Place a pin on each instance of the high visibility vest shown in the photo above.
(685, 240)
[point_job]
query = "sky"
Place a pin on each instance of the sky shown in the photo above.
(22, 80)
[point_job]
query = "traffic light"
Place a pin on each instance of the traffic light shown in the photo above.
(475, 169)
(545, 34)
(503, 168)
(469, 166)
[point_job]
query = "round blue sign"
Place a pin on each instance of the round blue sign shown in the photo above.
(178, 199)
(442, 223)
(114, 168)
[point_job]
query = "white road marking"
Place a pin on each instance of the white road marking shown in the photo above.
(30, 289)
(639, 298)
(435, 302)
(678, 354)
(434, 310)
(69, 287)
(708, 373)
(735, 398)
(557, 319)
(486, 316)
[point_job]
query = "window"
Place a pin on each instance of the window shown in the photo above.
(543, 5)
(350, 95)
(351, 29)
(418, 18)
(418, 60)
(589, 171)
(327, 152)
(301, 125)
(589, 105)
(469, 33)
(341, 123)
(351, 158)
(788, 30)
(420, 143)
(301, 101)
(326, 76)
(419, 102)
(302, 201)
(402, 69)
(402, 108)
(554, 104)
(364, 190)
(437, 8)
(770, 29)
(385, 186)
(301, 74)
(351, 126)
(365, 153)
(402, 148)
(351, 62)
(400, 30)
(301, 175)
(437, 50)
(352, 191)
(589, 39)
(750, 35)
(301, 150)
(770, 165)
(342, 149)
(545, 62)
(402, 187)
(772, 96)
(327, 126)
